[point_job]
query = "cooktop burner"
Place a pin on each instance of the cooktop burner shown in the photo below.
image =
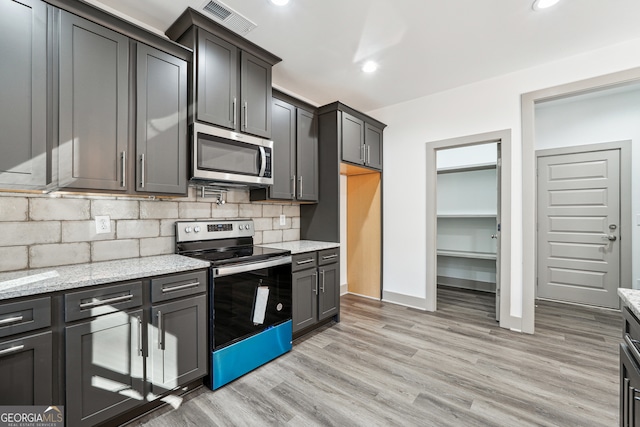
(234, 255)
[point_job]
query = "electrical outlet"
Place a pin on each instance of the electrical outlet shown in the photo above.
(283, 220)
(103, 224)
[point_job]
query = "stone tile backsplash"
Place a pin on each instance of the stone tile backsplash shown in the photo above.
(39, 230)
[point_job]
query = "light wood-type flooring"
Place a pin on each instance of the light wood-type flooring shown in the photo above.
(388, 365)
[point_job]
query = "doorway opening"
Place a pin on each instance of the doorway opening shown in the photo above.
(501, 214)
(468, 221)
(594, 124)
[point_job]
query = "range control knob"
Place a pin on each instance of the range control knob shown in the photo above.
(187, 230)
(196, 229)
(247, 226)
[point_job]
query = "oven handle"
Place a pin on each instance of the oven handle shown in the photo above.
(243, 268)
(632, 347)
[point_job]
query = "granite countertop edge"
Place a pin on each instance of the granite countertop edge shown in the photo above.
(631, 298)
(301, 246)
(23, 283)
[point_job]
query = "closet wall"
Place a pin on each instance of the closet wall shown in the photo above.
(467, 217)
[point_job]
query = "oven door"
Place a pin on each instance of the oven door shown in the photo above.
(222, 155)
(249, 298)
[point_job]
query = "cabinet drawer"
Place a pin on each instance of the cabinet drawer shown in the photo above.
(177, 286)
(328, 256)
(104, 300)
(24, 316)
(303, 261)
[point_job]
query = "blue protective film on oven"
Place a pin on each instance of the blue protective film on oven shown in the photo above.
(244, 356)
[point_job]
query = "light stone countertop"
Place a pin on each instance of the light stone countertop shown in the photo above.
(44, 280)
(631, 298)
(302, 246)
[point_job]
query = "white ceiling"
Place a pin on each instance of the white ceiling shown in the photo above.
(422, 46)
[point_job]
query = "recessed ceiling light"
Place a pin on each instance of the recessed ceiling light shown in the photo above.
(543, 4)
(280, 2)
(369, 67)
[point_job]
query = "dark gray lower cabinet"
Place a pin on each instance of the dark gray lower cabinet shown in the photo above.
(104, 367)
(305, 298)
(177, 343)
(316, 288)
(26, 370)
(329, 290)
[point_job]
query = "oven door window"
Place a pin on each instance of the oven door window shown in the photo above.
(247, 303)
(226, 155)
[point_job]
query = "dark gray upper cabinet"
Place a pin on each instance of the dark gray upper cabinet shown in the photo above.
(294, 129)
(233, 88)
(352, 139)
(360, 136)
(93, 106)
(373, 146)
(307, 157)
(232, 75)
(161, 122)
(217, 81)
(284, 150)
(23, 84)
(255, 93)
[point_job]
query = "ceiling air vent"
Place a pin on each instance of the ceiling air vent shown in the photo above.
(228, 17)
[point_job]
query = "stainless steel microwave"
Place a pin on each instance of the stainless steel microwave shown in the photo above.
(225, 156)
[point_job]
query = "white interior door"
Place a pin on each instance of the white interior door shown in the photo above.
(579, 227)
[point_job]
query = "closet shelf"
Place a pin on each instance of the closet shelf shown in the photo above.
(468, 215)
(468, 168)
(465, 254)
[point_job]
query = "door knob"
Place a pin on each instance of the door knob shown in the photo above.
(610, 237)
(494, 236)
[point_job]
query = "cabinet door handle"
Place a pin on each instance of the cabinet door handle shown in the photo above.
(625, 403)
(315, 277)
(123, 158)
(180, 287)
(98, 303)
(632, 406)
(300, 187)
(11, 350)
(322, 286)
(139, 336)
(160, 334)
(368, 154)
(246, 116)
(304, 261)
(328, 257)
(142, 170)
(10, 320)
(293, 181)
(362, 152)
(235, 112)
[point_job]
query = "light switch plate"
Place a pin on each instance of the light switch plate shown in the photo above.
(103, 224)
(283, 220)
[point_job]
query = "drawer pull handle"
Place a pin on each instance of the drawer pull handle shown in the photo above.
(11, 350)
(98, 303)
(10, 320)
(304, 261)
(180, 287)
(327, 257)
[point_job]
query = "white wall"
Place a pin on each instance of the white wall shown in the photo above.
(485, 106)
(606, 116)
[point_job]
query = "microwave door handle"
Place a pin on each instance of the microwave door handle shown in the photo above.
(263, 161)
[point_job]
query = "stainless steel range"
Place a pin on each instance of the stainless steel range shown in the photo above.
(250, 295)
